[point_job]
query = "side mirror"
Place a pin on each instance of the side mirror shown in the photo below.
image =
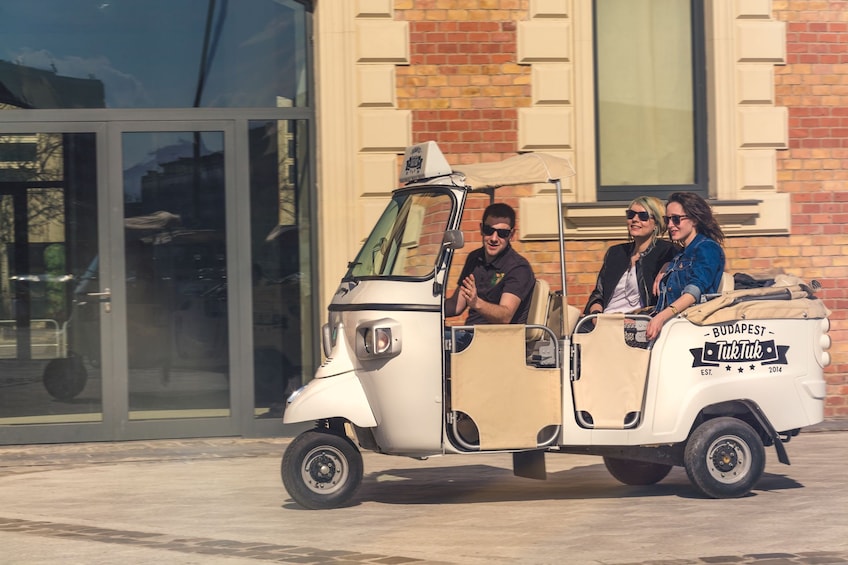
(453, 239)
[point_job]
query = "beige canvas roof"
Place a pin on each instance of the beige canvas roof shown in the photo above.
(765, 303)
(527, 168)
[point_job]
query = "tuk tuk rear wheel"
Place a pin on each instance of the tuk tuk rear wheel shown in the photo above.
(636, 473)
(321, 469)
(724, 458)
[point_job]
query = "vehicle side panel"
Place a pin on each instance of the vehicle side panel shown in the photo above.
(404, 391)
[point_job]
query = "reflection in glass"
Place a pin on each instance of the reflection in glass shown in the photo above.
(176, 286)
(49, 324)
(153, 54)
(282, 296)
(407, 238)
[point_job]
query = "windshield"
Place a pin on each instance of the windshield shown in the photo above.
(407, 238)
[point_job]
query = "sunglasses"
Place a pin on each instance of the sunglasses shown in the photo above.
(675, 219)
(643, 216)
(503, 233)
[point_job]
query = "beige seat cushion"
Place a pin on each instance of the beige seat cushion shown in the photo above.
(538, 313)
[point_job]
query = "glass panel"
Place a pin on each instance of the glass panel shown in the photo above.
(49, 324)
(175, 249)
(152, 54)
(645, 99)
(280, 247)
(407, 238)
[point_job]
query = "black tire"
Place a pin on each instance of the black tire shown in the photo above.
(65, 378)
(636, 473)
(321, 469)
(724, 458)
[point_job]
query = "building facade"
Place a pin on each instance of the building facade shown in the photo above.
(157, 185)
(176, 213)
(489, 78)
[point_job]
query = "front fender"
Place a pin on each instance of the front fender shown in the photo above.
(339, 396)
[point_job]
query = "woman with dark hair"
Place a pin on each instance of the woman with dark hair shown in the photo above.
(698, 268)
(626, 279)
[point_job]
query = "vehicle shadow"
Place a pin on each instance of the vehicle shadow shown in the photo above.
(483, 484)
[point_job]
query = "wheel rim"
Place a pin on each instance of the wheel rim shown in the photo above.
(729, 459)
(324, 470)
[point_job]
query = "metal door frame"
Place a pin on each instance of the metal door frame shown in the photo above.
(184, 427)
(77, 431)
(115, 424)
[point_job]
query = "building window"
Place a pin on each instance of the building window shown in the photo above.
(154, 54)
(650, 90)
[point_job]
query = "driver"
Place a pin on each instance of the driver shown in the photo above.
(496, 283)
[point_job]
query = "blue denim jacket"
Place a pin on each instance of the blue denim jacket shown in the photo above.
(696, 270)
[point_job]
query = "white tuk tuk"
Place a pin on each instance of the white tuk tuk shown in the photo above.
(728, 377)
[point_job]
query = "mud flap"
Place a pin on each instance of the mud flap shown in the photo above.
(529, 464)
(755, 409)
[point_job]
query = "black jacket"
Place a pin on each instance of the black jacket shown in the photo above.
(616, 262)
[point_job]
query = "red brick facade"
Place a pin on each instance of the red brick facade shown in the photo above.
(464, 87)
(813, 85)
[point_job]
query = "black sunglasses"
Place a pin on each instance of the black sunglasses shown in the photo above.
(675, 219)
(643, 216)
(503, 233)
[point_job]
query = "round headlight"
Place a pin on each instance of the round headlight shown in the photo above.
(382, 340)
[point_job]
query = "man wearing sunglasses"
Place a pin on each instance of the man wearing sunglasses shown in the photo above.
(496, 282)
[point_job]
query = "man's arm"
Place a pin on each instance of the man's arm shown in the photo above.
(500, 313)
(455, 304)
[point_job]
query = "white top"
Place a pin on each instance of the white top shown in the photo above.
(625, 298)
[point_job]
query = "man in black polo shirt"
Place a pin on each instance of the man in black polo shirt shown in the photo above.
(496, 282)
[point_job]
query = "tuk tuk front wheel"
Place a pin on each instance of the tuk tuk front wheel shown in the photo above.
(636, 473)
(724, 458)
(321, 469)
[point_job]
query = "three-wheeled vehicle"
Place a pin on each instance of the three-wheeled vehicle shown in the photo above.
(728, 377)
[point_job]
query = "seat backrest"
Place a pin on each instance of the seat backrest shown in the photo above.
(726, 284)
(538, 313)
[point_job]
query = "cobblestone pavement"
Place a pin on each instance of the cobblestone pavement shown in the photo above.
(294, 554)
(221, 501)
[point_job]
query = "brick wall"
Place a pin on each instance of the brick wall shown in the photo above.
(464, 87)
(813, 85)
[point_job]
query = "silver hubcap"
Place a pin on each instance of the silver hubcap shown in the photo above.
(324, 470)
(728, 459)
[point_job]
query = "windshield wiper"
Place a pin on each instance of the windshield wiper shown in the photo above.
(349, 277)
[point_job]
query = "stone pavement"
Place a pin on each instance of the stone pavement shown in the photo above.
(221, 501)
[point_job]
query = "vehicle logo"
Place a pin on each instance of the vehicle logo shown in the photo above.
(414, 164)
(745, 346)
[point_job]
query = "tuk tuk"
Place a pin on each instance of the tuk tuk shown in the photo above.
(726, 378)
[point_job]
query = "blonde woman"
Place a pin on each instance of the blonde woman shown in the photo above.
(626, 279)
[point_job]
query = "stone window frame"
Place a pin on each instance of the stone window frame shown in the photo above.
(745, 127)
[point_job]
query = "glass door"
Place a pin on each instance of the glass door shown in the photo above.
(173, 261)
(52, 300)
(117, 282)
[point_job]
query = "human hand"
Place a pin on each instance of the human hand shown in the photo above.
(656, 286)
(469, 291)
(655, 325)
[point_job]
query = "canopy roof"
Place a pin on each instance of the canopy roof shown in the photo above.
(527, 168)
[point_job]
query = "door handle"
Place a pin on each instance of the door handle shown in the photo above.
(104, 297)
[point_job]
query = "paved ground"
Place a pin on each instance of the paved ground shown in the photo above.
(221, 501)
